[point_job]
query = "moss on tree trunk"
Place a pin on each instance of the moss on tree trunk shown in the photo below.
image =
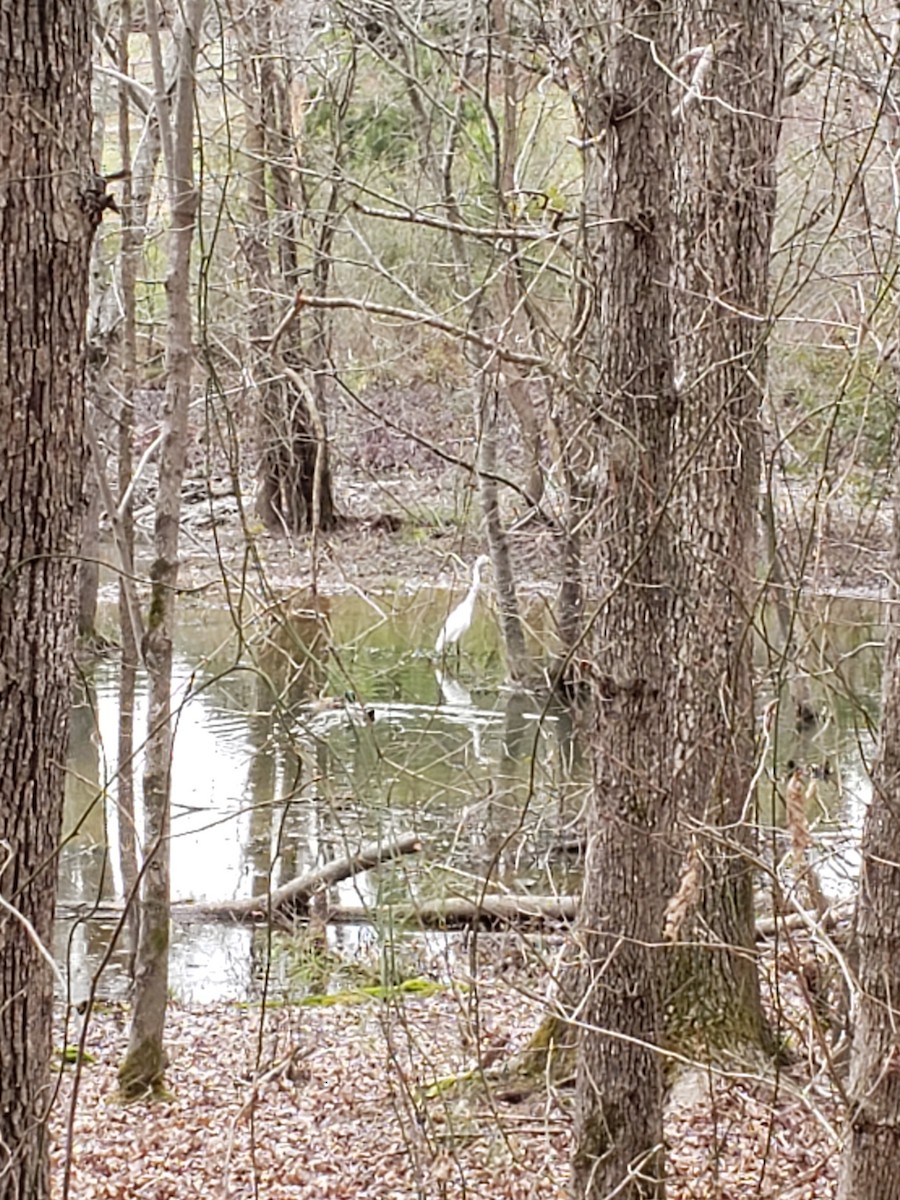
(142, 1072)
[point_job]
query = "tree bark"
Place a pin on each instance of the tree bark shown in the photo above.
(502, 61)
(872, 1145)
(618, 1128)
(142, 1070)
(724, 199)
(102, 336)
(256, 92)
(50, 203)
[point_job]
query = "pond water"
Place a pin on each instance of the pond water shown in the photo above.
(268, 782)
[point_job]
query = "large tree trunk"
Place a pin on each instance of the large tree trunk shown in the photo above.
(618, 1139)
(724, 206)
(49, 206)
(141, 1073)
(257, 93)
(872, 1147)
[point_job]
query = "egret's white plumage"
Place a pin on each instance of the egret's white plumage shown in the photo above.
(461, 618)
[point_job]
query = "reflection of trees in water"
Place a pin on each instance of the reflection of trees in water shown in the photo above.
(839, 643)
(82, 945)
(288, 658)
(289, 669)
(85, 864)
(291, 651)
(495, 784)
(536, 787)
(261, 793)
(84, 861)
(489, 784)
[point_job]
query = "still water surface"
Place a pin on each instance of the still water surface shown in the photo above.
(266, 783)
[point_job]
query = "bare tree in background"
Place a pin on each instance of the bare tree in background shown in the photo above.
(294, 493)
(142, 1070)
(872, 1146)
(140, 165)
(50, 203)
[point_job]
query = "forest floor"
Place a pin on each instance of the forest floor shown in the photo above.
(335, 1103)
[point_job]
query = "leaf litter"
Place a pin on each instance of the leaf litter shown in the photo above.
(306, 1103)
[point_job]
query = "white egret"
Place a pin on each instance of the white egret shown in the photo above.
(461, 618)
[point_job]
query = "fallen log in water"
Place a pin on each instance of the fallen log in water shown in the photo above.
(456, 912)
(292, 899)
(492, 911)
(811, 920)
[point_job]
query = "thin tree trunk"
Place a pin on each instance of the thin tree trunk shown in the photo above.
(136, 191)
(141, 1073)
(50, 203)
(569, 467)
(872, 1145)
(102, 336)
(506, 150)
(256, 92)
(510, 621)
(618, 1127)
(322, 513)
(783, 595)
